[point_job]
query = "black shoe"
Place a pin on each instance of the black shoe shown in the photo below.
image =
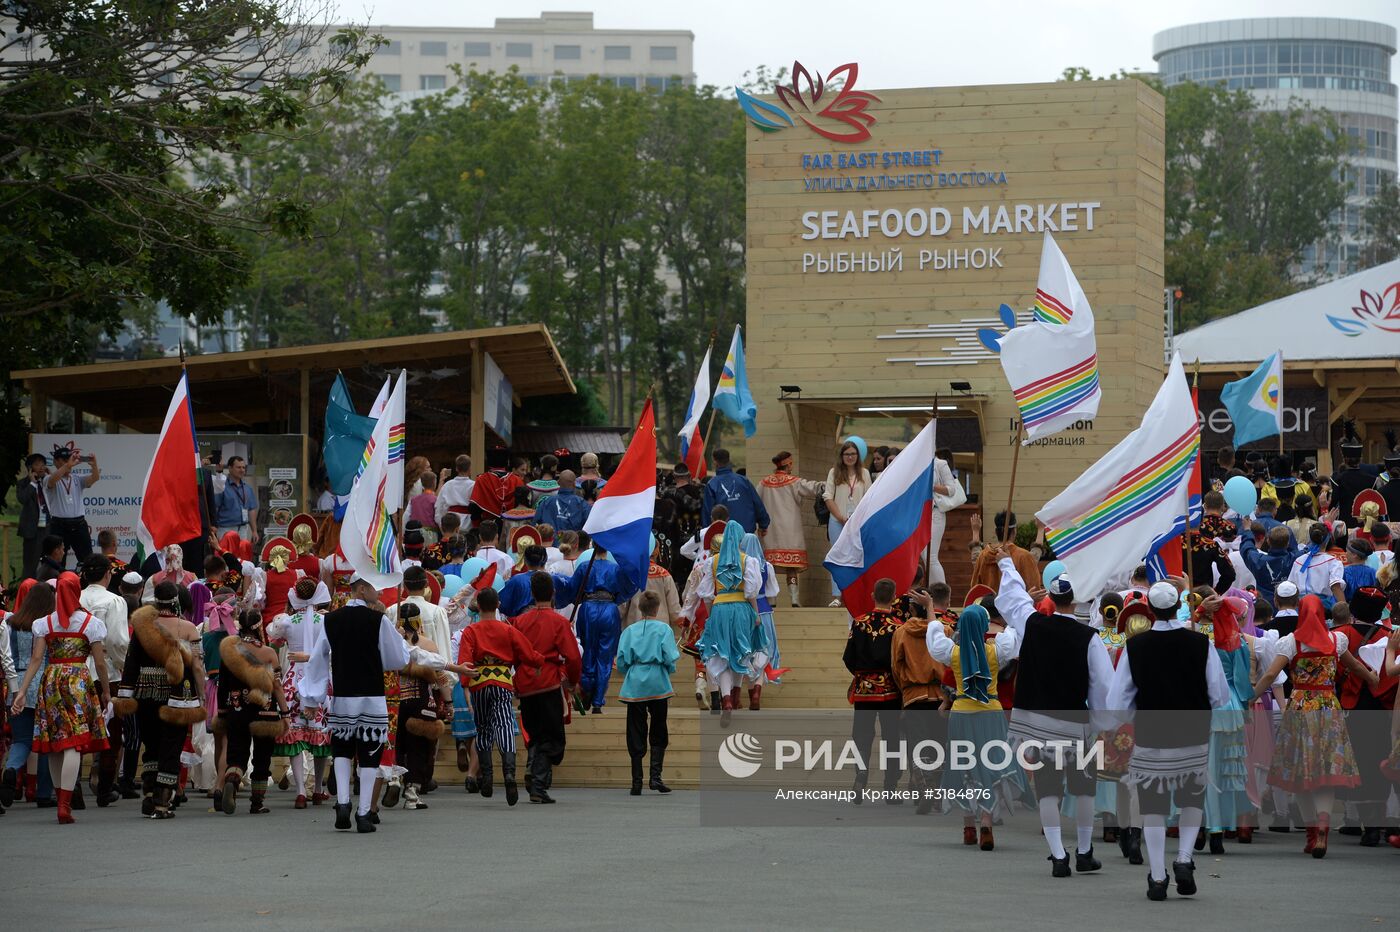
(428, 787)
(374, 816)
(393, 790)
(1371, 838)
(1059, 867)
(512, 793)
(1185, 872)
(1156, 889)
(1085, 862)
(636, 788)
(78, 801)
(714, 702)
(538, 795)
(1124, 837)
(364, 824)
(1135, 845)
(485, 789)
(529, 782)
(1200, 842)
(218, 799)
(1281, 829)
(9, 787)
(49, 803)
(1217, 842)
(107, 797)
(342, 817)
(472, 785)
(1351, 831)
(128, 789)
(658, 760)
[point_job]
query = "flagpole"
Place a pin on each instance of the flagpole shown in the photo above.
(1186, 529)
(1009, 532)
(1280, 402)
(705, 441)
(933, 495)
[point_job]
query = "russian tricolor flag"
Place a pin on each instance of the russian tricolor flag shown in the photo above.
(621, 517)
(890, 530)
(692, 444)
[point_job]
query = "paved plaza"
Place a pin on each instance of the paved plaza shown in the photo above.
(603, 860)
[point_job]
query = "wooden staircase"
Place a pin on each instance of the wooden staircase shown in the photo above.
(811, 641)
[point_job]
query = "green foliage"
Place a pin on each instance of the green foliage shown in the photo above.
(614, 216)
(582, 409)
(1246, 191)
(98, 126)
(1380, 226)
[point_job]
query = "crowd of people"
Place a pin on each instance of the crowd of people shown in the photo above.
(510, 621)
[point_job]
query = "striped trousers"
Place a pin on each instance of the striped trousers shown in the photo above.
(494, 708)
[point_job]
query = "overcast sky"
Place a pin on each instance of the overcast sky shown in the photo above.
(913, 44)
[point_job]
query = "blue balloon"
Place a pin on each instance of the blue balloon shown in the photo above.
(1241, 495)
(474, 567)
(1052, 569)
(588, 555)
(860, 445)
(451, 585)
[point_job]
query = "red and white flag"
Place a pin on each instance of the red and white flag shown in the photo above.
(170, 495)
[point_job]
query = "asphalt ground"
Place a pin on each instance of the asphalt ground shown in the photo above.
(601, 859)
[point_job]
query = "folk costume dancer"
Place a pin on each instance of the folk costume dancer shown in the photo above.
(280, 577)
(646, 658)
(111, 608)
(492, 647)
(977, 717)
(300, 630)
(873, 693)
(1312, 753)
(1120, 624)
(1369, 711)
(1063, 674)
(1171, 679)
(764, 668)
(920, 679)
(694, 613)
(544, 694)
(68, 720)
(600, 588)
(345, 676)
(251, 710)
(730, 584)
(788, 498)
(426, 677)
(163, 684)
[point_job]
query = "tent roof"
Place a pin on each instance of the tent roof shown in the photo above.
(257, 389)
(1356, 317)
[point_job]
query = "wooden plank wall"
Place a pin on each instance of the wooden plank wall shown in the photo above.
(1064, 142)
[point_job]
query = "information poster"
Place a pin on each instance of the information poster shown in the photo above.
(114, 502)
(274, 462)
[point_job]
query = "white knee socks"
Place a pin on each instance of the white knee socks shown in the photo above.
(367, 777)
(299, 774)
(1189, 825)
(1084, 823)
(1050, 825)
(342, 780)
(318, 769)
(1154, 839)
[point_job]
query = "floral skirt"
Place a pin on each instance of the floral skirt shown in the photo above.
(1312, 750)
(68, 715)
(306, 728)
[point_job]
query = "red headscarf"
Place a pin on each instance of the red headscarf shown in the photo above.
(240, 548)
(23, 590)
(1312, 630)
(1227, 624)
(67, 595)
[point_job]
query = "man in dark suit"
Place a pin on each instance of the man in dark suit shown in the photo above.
(32, 512)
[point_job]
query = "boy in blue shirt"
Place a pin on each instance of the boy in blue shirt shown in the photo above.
(646, 658)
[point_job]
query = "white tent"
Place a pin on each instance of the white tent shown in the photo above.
(1357, 317)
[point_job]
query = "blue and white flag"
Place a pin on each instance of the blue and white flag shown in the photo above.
(732, 397)
(1255, 403)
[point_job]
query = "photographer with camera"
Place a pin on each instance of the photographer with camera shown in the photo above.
(63, 493)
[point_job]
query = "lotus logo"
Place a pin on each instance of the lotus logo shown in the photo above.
(842, 117)
(1379, 310)
(740, 755)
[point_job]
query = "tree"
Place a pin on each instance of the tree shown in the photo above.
(102, 109)
(1380, 225)
(1247, 190)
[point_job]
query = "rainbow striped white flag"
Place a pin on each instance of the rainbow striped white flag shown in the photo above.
(367, 535)
(1104, 524)
(1052, 362)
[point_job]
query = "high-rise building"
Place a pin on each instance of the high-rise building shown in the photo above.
(417, 59)
(1340, 65)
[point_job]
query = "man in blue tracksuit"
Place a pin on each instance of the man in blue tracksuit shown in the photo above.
(598, 587)
(565, 510)
(736, 493)
(1270, 567)
(516, 597)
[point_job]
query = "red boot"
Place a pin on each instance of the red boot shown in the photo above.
(726, 705)
(1312, 840)
(31, 787)
(754, 693)
(1394, 840)
(734, 701)
(65, 807)
(1324, 828)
